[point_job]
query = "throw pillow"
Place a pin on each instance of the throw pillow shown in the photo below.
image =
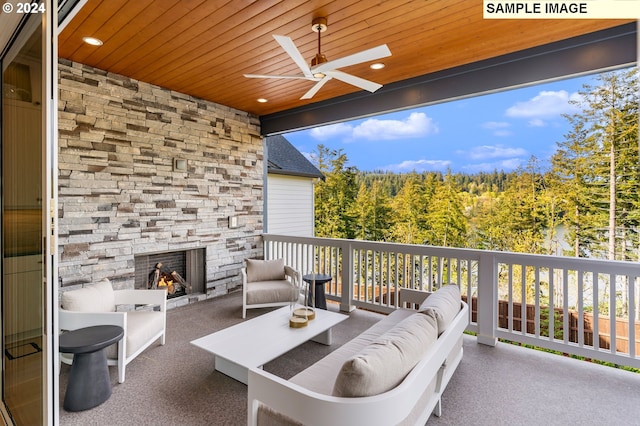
(384, 363)
(265, 270)
(92, 298)
(443, 304)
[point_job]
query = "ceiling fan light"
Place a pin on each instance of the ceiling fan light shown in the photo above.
(319, 75)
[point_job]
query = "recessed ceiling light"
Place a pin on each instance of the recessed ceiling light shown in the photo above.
(376, 66)
(262, 100)
(92, 41)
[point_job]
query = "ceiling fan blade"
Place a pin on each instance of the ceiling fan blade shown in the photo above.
(372, 54)
(316, 87)
(355, 81)
(293, 77)
(287, 44)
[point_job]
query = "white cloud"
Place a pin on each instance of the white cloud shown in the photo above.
(331, 131)
(417, 124)
(506, 165)
(536, 122)
(418, 166)
(500, 128)
(495, 151)
(545, 104)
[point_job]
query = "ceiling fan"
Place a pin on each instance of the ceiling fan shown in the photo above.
(322, 70)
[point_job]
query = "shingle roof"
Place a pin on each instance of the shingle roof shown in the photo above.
(284, 158)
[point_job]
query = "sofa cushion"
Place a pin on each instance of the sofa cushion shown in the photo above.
(265, 270)
(383, 364)
(444, 305)
(92, 298)
(320, 376)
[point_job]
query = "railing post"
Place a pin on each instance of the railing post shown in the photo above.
(265, 251)
(487, 299)
(347, 277)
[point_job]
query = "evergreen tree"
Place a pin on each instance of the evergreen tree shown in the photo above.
(334, 195)
(446, 223)
(408, 213)
(370, 212)
(598, 166)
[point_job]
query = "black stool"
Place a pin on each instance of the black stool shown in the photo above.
(320, 280)
(89, 384)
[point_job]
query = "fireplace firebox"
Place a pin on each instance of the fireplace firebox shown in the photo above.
(179, 272)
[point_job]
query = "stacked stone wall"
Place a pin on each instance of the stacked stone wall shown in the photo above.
(120, 194)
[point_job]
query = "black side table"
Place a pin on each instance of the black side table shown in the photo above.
(320, 280)
(89, 384)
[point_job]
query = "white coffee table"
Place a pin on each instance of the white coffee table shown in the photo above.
(259, 340)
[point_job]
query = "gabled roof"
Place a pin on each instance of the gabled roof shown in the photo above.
(283, 158)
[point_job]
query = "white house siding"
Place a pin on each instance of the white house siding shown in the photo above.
(290, 205)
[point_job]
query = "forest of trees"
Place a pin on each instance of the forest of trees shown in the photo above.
(589, 188)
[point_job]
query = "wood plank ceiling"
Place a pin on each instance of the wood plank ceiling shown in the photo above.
(203, 47)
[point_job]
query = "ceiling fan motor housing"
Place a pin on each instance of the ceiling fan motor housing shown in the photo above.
(319, 59)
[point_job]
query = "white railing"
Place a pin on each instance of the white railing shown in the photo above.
(511, 295)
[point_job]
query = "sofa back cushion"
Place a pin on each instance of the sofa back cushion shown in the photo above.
(265, 270)
(444, 305)
(384, 363)
(92, 298)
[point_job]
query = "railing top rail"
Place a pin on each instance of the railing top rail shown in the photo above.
(540, 260)
(305, 240)
(379, 246)
(570, 263)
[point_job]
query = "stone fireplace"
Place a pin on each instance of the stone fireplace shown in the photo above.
(147, 171)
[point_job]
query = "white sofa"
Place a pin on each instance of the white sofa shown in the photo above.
(97, 304)
(419, 349)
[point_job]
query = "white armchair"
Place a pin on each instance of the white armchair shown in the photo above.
(96, 305)
(268, 283)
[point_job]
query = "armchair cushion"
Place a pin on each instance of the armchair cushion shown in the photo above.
(141, 327)
(265, 270)
(270, 292)
(92, 298)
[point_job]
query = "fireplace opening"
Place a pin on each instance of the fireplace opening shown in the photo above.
(178, 272)
(163, 277)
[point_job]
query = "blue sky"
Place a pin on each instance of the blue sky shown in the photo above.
(494, 131)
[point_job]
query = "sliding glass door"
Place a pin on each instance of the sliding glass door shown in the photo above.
(24, 287)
